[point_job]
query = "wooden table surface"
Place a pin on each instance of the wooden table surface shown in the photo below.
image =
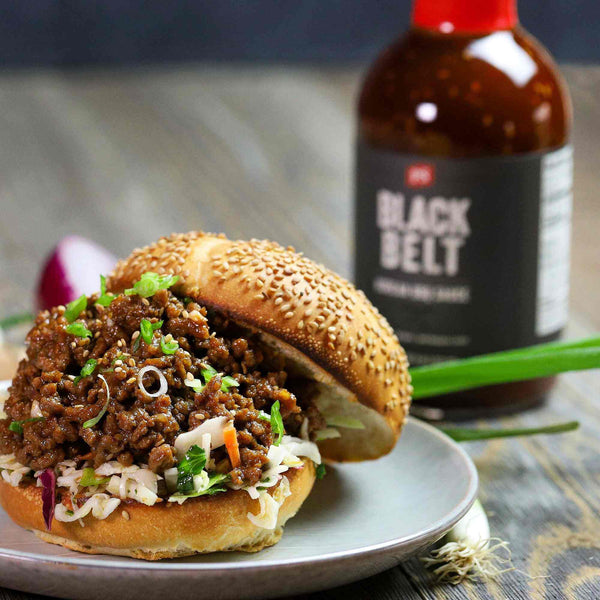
(124, 157)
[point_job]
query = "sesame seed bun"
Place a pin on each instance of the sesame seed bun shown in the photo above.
(328, 329)
(200, 525)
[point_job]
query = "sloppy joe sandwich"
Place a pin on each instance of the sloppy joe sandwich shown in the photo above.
(188, 406)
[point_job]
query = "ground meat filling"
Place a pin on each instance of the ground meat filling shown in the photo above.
(136, 427)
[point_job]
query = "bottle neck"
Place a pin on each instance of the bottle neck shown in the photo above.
(465, 16)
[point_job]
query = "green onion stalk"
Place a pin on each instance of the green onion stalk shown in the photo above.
(543, 360)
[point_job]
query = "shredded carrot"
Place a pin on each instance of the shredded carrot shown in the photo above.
(232, 446)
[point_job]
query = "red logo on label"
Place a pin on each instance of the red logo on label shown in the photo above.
(419, 175)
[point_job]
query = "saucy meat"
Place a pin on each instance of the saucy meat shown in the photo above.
(60, 390)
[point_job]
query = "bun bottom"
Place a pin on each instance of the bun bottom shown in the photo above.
(167, 530)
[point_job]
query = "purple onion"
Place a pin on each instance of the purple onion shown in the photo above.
(72, 269)
(48, 479)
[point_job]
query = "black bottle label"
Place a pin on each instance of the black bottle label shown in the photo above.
(465, 256)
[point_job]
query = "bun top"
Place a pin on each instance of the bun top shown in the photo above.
(321, 322)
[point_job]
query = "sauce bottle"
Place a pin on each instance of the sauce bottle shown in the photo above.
(463, 192)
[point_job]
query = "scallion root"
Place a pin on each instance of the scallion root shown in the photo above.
(454, 562)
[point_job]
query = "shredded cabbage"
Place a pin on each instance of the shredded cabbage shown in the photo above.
(100, 505)
(11, 470)
(269, 506)
(214, 427)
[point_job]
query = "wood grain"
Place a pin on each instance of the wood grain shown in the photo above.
(124, 157)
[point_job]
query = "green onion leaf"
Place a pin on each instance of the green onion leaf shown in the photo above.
(78, 329)
(321, 471)
(147, 328)
(104, 299)
(168, 347)
(276, 423)
(93, 422)
(89, 478)
(208, 373)
(118, 357)
(264, 416)
(195, 384)
(150, 283)
(75, 308)
(17, 426)
(502, 367)
(227, 382)
(86, 370)
(459, 434)
(14, 320)
(146, 331)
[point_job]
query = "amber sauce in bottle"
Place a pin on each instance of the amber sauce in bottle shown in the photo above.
(466, 82)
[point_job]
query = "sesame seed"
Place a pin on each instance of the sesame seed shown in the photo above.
(125, 515)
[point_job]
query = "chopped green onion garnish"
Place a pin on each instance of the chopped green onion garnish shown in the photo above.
(78, 329)
(86, 370)
(104, 299)
(208, 373)
(502, 367)
(93, 422)
(191, 464)
(17, 426)
(460, 434)
(227, 382)
(276, 423)
(147, 328)
(168, 347)
(321, 471)
(118, 357)
(150, 283)
(89, 478)
(75, 308)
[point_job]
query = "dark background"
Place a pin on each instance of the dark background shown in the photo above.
(108, 32)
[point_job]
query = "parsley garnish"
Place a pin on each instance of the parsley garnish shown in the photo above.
(168, 347)
(150, 283)
(17, 426)
(89, 478)
(147, 329)
(75, 308)
(86, 370)
(191, 464)
(78, 329)
(276, 423)
(104, 299)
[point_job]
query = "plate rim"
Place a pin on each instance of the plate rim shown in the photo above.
(439, 527)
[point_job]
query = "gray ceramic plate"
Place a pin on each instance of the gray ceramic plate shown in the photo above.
(359, 520)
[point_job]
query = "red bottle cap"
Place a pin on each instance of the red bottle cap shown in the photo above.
(465, 16)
